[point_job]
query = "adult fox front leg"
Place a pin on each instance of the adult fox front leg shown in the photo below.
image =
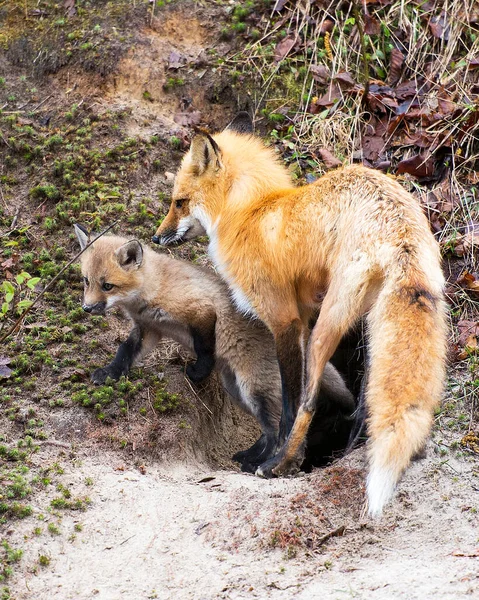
(353, 243)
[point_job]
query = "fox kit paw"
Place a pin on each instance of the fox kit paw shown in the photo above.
(197, 374)
(99, 376)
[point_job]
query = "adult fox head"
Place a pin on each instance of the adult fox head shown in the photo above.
(216, 169)
(112, 271)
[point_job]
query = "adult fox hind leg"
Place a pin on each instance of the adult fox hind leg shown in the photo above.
(138, 343)
(342, 306)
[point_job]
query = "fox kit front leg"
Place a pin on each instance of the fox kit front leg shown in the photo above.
(204, 346)
(138, 343)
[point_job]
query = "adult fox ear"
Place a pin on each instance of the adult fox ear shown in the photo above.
(242, 123)
(205, 153)
(82, 235)
(130, 255)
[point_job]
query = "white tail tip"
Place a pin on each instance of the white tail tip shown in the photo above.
(380, 489)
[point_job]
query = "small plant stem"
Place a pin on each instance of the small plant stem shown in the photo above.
(359, 25)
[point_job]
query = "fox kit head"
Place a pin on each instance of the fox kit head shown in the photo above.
(202, 183)
(112, 271)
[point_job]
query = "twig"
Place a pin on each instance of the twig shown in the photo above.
(334, 533)
(55, 443)
(50, 284)
(359, 25)
(42, 102)
(4, 140)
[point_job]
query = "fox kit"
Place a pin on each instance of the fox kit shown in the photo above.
(164, 297)
(353, 243)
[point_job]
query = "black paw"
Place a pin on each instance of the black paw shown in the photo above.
(197, 374)
(280, 466)
(99, 376)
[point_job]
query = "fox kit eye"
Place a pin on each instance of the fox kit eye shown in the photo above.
(107, 287)
(86, 281)
(179, 203)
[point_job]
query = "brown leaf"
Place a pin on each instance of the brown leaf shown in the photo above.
(373, 147)
(469, 282)
(69, 5)
(466, 330)
(474, 63)
(439, 27)
(395, 66)
(284, 47)
(345, 80)
(320, 73)
(329, 159)
(412, 88)
(188, 119)
(371, 25)
(420, 165)
(8, 263)
(328, 99)
(326, 25)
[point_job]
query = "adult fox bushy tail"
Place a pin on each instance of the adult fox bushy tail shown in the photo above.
(353, 244)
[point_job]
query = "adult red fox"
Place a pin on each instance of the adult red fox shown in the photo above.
(168, 298)
(353, 243)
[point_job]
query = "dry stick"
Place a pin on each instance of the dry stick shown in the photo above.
(18, 322)
(359, 25)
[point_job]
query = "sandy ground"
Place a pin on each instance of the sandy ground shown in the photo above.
(164, 534)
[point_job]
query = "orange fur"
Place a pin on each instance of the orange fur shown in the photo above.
(357, 239)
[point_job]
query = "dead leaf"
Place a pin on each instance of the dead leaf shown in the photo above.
(328, 99)
(69, 5)
(371, 25)
(326, 25)
(467, 330)
(474, 63)
(395, 66)
(420, 165)
(8, 263)
(439, 27)
(320, 73)
(373, 147)
(188, 119)
(345, 80)
(469, 281)
(284, 47)
(329, 159)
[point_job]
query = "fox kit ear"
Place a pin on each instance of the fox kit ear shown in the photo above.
(82, 235)
(130, 255)
(205, 153)
(242, 123)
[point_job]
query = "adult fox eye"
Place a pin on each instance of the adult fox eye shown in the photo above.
(179, 203)
(107, 287)
(86, 280)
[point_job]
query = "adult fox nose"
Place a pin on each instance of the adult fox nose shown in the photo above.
(155, 239)
(87, 308)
